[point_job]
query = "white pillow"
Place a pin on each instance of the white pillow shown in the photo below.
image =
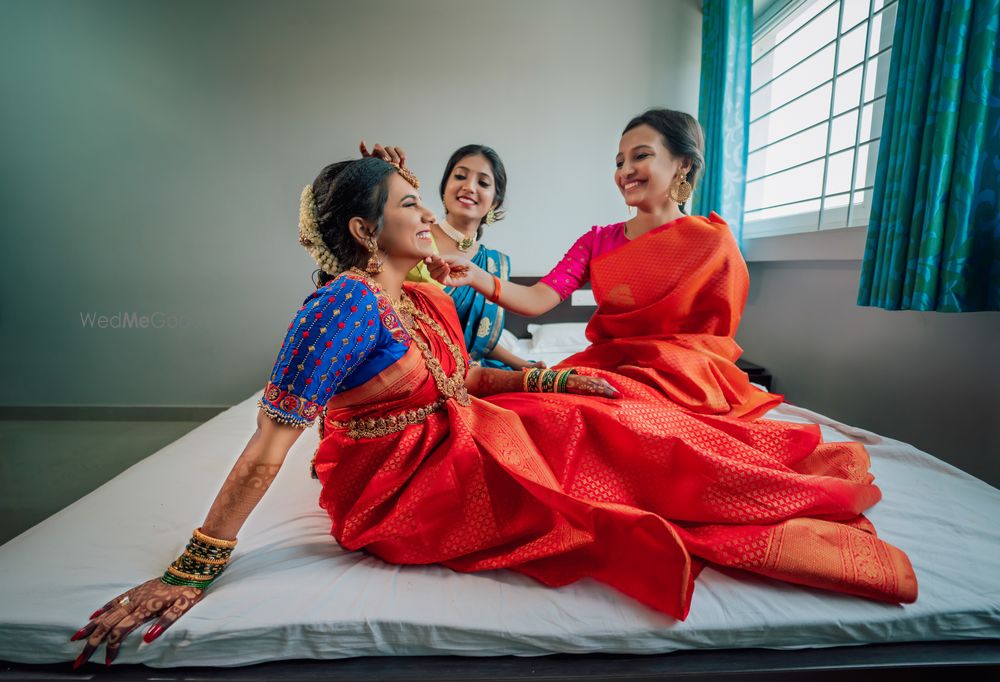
(559, 336)
(507, 340)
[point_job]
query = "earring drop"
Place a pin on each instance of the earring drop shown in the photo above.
(680, 190)
(374, 266)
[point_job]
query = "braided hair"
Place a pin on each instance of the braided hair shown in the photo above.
(345, 190)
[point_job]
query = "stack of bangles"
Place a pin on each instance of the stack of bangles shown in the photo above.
(538, 380)
(203, 560)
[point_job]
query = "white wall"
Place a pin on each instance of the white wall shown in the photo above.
(154, 154)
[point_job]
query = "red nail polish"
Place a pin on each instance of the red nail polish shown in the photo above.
(79, 634)
(79, 661)
(108, 659)
(152, 634)
(95, 614)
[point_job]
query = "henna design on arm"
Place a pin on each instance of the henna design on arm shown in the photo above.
(586, 385)
(250, 477)
(484, 381)
(243, 489)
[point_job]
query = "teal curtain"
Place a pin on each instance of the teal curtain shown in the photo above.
(934, 232)
(724, 108)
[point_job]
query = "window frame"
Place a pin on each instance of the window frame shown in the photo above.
(823, 218)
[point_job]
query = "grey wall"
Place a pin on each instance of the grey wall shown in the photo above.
(153, 154)
(931, 379)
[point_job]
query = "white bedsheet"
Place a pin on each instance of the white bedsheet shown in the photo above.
(291, 592)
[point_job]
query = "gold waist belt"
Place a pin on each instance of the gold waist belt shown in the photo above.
(383, 426)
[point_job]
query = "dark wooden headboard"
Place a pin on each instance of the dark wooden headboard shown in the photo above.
(564, 312)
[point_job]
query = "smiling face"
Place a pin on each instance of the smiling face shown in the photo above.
(470, 191)
(406, 223)
(646, 169)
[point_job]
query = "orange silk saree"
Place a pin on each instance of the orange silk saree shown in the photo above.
(637, 493)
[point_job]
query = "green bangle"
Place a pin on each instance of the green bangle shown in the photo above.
(564, 379)
(174, 580)
(531, 383)
(549, 381)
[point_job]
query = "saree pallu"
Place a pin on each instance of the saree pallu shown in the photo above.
(668, 306)
(482, 319)
(637, 492)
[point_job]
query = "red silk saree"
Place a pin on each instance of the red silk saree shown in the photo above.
(669, 303)
(637, 492)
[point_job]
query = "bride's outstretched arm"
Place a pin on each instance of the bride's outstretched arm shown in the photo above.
(168, 598)
(250, 477)
(486, 381)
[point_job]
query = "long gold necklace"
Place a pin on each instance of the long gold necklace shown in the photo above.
(450, 386)
(407, 313)
(464, 243)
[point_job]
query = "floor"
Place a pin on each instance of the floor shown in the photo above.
(47, 465)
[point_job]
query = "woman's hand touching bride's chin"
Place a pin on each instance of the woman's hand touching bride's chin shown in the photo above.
(455, 271)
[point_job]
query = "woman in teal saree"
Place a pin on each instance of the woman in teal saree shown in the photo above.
(472, 192)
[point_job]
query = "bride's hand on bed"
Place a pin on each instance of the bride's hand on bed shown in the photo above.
(584, 385)
(113, 622)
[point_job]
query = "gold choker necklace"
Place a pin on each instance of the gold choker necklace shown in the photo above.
(464, 243)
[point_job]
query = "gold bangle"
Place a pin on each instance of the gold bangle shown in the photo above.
(214, 542)
(202, 560)
(177, 573)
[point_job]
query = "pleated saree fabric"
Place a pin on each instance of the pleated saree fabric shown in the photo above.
(637, 492)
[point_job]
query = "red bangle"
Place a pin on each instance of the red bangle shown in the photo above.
(495, 298)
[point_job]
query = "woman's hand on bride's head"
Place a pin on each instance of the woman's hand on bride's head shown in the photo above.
(452, 271)
(386, 153)
(113, 622)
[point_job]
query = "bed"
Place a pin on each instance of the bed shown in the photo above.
(292, 595)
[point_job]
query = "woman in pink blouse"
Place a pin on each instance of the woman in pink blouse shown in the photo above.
(670, 287)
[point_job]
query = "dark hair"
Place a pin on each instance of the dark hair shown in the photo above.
(345, 190)
(682, 135)
(499, 175)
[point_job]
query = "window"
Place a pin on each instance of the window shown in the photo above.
(818, 81)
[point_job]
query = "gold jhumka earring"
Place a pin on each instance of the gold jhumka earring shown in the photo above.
(374, 262)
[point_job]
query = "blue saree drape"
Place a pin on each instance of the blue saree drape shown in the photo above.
(481, 319)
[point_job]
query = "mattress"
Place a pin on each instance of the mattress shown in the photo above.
(292, 593)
